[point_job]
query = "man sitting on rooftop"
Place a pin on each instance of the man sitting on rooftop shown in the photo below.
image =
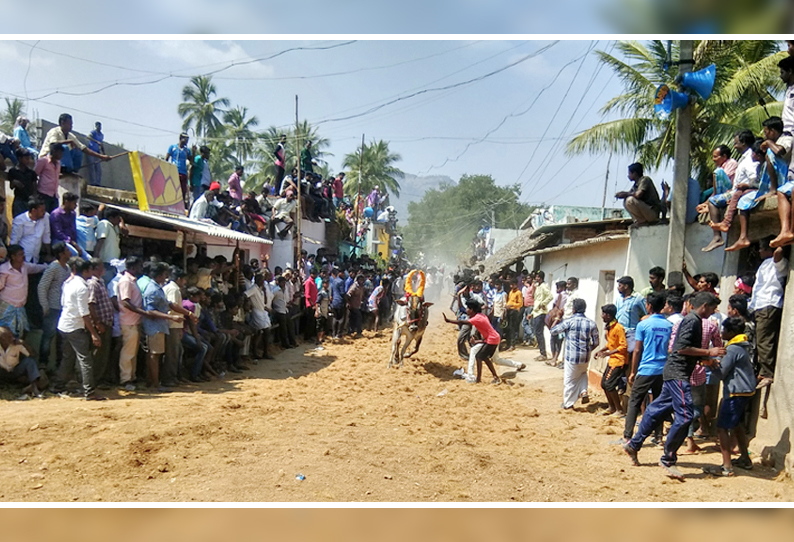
(21, 133)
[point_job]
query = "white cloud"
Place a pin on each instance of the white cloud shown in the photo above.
(209, 56)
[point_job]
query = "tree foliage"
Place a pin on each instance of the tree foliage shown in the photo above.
(14, 108)
(746, 72)
(200, 109)
(377, 169)
(446, 219)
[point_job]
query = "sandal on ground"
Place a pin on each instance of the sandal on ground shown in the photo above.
(714, 470)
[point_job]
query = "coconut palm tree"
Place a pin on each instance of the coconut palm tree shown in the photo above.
(14, 108)
(306, 132)
(239, 132)
(377, 168)
(198, 108)
(222, 159)
(746, 72)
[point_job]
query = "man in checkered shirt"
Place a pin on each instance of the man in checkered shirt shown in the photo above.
(581, 338)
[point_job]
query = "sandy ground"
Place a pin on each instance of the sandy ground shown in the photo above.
(355, 430)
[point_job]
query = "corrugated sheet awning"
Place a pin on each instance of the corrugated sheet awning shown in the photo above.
(185, 223)
(579, 244)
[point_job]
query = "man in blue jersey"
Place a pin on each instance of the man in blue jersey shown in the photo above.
(652, 338)
(181, 155)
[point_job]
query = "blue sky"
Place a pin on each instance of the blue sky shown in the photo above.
(430, 131)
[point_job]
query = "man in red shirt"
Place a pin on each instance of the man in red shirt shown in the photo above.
(338, 192)
(310, 294)
(491, 337)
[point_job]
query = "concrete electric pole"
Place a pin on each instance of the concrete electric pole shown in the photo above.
(681, 171)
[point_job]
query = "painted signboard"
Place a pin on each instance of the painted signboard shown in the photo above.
(156, 184)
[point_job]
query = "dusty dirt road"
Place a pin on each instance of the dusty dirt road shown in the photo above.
(356, 431)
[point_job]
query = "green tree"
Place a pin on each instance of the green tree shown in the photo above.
(239, 132)
(200, 108)
(222, 159)
(746, 72)
(446, 220)
(14, 108)
(377, 169)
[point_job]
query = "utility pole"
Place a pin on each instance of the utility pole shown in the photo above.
(606, 181)
(357, 203)
(298, 212)
(681, 169)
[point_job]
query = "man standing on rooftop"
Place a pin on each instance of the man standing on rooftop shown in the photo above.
(181, 155)
(72, 160)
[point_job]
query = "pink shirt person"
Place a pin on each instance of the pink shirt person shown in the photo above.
(49, 171)
(235, 185)
(128, 290)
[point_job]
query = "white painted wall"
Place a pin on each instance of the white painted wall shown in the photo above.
(648, 248)
(502, 236)
(283, 251)
(586, 263)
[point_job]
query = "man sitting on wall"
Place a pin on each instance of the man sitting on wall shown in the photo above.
(642, 201)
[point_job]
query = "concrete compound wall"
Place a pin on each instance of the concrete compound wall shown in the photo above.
(284, 251)
(774, 435)
(648, 248)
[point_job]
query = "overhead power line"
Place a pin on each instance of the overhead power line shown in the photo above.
(438, 89)
(165, 76)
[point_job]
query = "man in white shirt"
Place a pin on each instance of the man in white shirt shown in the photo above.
(77, 330)
(71, 161)
(200, 208)
(745, 180)
(282, 210)
(172, 362)
(108, 241)
(572, 288)
(786, 66)
(31, 230)
(766, 304)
